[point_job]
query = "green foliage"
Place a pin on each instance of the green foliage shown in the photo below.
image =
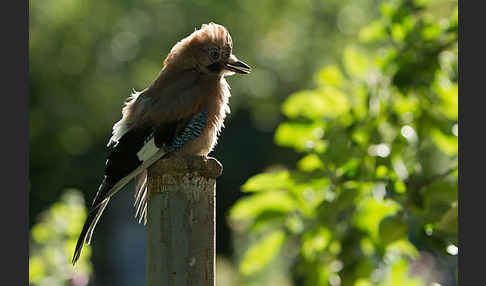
(398, 275)
(52, 243)
(392, 228)
(377, 178)
(262, 252)
(270, 202)
(267, 181)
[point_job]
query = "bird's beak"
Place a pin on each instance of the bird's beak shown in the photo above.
(235, 65)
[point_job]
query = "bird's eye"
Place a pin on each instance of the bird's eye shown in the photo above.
(214, 55)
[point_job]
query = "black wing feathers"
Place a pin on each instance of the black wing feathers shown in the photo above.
(123, 159)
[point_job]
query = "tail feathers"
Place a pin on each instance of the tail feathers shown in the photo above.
(87, 232)
(93, 225)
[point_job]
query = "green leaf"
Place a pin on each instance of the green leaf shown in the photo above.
(261, 253)
(404, 247)
(264, 221)
(251, 206)
(301, 136)
(360, 136)
(40, 233)
(371, 211)
(454, 17)
(388, 8)
(294, 224)
(310, 163)
(298, 105)
(448, 221)
(381, 171)
(315, 241)
(356, 62)
(405, 104)
(444, 191)
(449, 95)
(398, 275)
(349, 169)
(446, 143)
(324, 102)
(431, 32)
(268, 182)
(439, 197)
(310, 193)
(424, 3)
(36, 269)
(373, 32)
(392, 228)
(399, 187)
(367, 246)
(362, 282)
(360, 102)
(330, 75)
(398, 32)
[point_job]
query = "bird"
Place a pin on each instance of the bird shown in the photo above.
(181, 111)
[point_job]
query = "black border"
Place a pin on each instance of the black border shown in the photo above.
(15, 140)
(471, 136)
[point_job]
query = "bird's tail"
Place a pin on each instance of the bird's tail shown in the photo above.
(140, 203)
(107, 189)
(88, 228)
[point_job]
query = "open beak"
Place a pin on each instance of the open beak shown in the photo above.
(235, 65)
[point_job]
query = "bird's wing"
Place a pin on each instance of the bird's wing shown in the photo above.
(138, 149)
(134, 152)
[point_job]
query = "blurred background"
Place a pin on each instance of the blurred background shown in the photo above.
(340, 154)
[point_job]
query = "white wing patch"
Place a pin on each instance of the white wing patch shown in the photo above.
(147, 151)
(122, 126)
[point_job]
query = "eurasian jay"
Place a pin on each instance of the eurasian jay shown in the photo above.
(181, 111)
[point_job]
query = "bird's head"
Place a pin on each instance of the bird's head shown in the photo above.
(209, 50)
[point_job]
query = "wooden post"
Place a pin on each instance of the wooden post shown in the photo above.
(181, 221)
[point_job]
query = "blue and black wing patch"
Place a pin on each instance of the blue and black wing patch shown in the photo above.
(191, 131)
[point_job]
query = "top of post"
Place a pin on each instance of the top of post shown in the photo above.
(181, 164)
